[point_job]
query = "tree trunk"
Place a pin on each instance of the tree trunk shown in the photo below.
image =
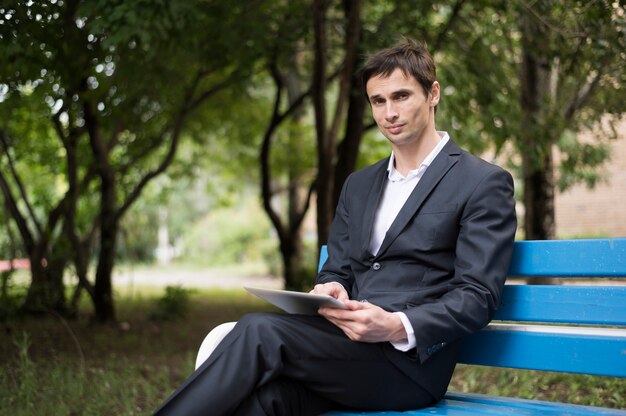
(109, 224)
(103, 289)
(327, 136)
(349, 148)
(325, 151)
(536, 151)
(289, 230)
(46, 291)
(539, 199)
(539, 204)
(295, 274)
(108, 218)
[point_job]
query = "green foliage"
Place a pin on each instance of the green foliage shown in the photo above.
(374, 147)
(229, 235)
(142, 64)
(173, 305)
(582, 161)
(36, 154)
(119, 83)
(575, 42)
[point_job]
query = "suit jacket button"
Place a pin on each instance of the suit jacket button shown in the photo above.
(376, 266)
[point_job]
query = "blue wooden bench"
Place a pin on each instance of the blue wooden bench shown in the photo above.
(565, 328)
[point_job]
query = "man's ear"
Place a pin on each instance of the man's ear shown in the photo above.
(434, 94)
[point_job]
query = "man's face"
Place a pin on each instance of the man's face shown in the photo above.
(400, 108)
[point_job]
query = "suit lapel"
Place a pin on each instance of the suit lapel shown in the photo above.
(373, 200)
(442, 163)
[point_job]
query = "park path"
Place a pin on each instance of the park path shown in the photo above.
(189, 278)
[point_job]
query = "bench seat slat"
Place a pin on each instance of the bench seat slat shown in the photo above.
(570, 258)
(465, 404)
(581, 353)
(592, 305)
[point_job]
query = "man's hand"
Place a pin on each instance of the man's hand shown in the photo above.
(365, 322)
(334, 289)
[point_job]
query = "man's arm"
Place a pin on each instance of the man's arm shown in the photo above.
(337, 268)
(483, 252)
(361, 321)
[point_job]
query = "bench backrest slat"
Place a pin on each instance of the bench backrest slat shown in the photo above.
(576, 350)
(570, 258)
(580, 353)
(589, 305)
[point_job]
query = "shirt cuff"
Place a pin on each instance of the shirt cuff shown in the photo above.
(410, 342)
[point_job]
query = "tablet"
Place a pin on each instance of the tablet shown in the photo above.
(296, 302)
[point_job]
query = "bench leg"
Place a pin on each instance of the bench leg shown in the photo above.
(212, 340)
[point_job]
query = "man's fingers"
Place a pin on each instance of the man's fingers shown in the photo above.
(333, 289)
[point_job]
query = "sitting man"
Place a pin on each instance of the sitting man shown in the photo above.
(418, 252)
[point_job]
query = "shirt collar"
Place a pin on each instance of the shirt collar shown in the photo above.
(396, 176)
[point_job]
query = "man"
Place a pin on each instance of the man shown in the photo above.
(418, 252)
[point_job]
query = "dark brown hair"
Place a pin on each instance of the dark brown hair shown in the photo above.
(411, 57)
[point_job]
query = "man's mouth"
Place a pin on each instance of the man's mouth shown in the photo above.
(395, 128)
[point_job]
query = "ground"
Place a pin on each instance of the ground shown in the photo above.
(53, 366)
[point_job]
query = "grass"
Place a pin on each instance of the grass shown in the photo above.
(542, 385)
(54, 367)
(123, 369)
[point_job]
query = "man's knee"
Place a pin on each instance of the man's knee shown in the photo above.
(261, 322)
(283, 397)
(255, 318)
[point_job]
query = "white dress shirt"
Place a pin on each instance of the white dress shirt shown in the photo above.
(397, 190)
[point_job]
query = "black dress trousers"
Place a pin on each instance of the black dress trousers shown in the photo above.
(277, 364)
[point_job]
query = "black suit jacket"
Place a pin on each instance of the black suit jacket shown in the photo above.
(443, 261)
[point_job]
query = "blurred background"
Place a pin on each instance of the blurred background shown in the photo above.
(156, 156)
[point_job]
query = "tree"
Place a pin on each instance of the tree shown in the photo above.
(533, 75)
(25, 202)
(571, 54)
(121, 81)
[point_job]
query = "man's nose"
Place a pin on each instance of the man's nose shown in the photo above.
(390, 112)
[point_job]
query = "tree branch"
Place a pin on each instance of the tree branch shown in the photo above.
(195, 103)
(453, 16)
(583, 95)
(266, 191)
(353, 34)
(307, 202)
(15, 213)
(19, 184)
(167, 160)
(566, 34)
(187, 106)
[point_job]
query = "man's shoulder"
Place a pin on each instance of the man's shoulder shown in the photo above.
(371, 171)
(477, 163)
(363, 180)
